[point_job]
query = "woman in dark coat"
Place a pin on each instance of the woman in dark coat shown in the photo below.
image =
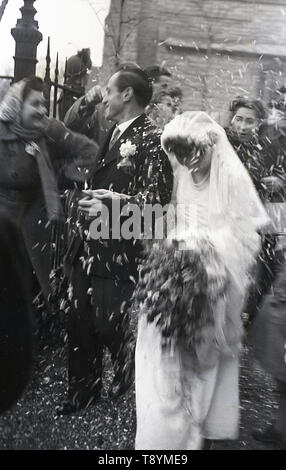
(34, 151)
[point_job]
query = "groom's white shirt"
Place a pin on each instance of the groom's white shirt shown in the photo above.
(123, 126)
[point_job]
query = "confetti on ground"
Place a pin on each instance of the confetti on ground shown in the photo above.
(111, 424)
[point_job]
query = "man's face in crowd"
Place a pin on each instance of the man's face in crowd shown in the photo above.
(281, 102)
(245, 123)
(34, 111)
(113, 99)
(162, 83)
(162, 111)
(167, 101)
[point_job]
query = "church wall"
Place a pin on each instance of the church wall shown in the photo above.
(216, 49)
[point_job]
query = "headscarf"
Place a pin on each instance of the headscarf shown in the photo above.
(11, 108)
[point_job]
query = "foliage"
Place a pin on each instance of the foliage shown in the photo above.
(179, 290)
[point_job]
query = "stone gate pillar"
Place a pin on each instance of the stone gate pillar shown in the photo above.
(27, 37)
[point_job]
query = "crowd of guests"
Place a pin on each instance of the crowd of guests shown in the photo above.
(231, 182)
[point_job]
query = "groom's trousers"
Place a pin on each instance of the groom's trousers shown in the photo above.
(98, 318)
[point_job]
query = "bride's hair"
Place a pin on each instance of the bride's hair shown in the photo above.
(184, 149)
(189, 135)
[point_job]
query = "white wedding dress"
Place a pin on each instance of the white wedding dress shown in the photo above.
(177, 405)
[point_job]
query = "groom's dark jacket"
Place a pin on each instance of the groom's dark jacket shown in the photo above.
(146, 176)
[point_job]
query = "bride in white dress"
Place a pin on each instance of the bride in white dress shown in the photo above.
(188, 391)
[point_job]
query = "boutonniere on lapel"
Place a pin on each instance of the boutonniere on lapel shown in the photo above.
(127, 150)
(31, 148)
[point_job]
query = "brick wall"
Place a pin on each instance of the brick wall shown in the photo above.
(121, 36)
(216, 49)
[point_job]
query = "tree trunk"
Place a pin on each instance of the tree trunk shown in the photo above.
(2, 8)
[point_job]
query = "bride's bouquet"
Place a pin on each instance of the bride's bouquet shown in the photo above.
(179, 291)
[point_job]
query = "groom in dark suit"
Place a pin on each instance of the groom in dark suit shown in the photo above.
(131, 168)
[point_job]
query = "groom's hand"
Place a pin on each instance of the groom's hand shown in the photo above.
(90, 206)
(103, 194)
(96, 199)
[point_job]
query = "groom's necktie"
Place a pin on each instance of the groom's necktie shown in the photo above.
(114, 137)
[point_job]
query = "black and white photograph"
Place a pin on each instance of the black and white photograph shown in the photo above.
(142, 227)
